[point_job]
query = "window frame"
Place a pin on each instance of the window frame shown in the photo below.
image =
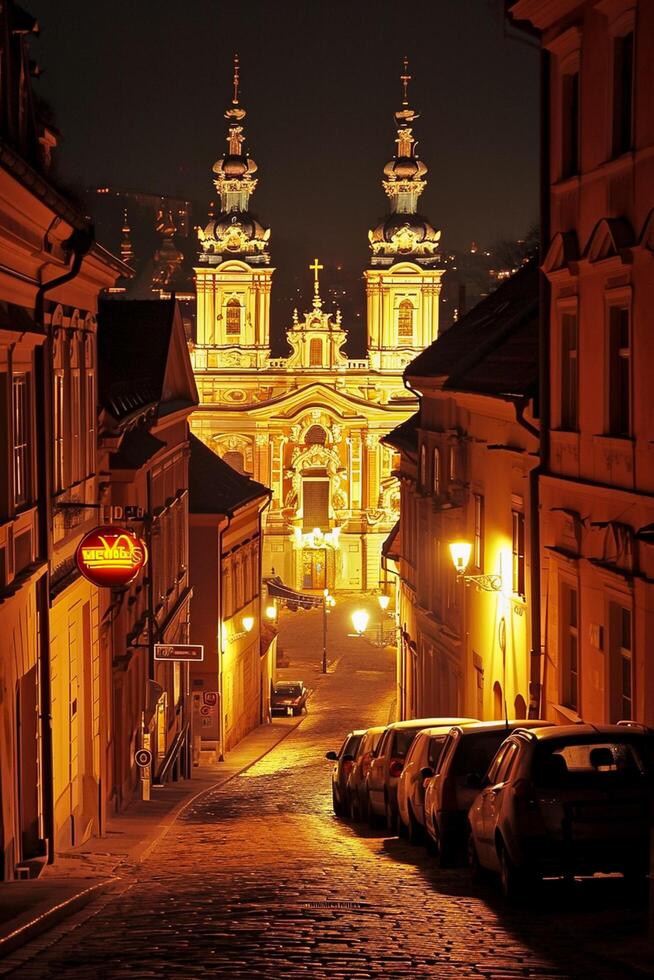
(478, 530)
(570, 670)
(21, 418)
(232, 304)
(569, 371)
(518, 558)
(406, 312)
(619, 357)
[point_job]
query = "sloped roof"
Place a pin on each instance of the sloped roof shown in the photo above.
(136, 447)
(493, 349)
(404, 437)
(214, 486)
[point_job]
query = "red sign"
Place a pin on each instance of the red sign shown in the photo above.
(179, 651)
(111, 556)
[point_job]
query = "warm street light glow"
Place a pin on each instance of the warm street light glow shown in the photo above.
(383, 601)
(248, 623)
(360, 621)
(460, 551)
(271, 612)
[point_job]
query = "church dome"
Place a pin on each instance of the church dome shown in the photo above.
(420, 229)
(232, 165)
(222, 225)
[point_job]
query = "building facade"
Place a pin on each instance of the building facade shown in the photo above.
(596, 491)
(309, 425)
(231, 687)
(146, 394)
(465, 472)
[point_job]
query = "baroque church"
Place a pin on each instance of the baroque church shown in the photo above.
(309, 425)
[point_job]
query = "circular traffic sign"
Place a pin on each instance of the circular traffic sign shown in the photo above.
(143, 758)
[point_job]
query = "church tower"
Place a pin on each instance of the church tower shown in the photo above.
(233, 276)
(404, 281)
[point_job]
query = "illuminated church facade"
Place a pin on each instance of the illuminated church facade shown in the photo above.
(309, 425)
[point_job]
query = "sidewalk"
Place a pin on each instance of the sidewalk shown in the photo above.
(29, 908)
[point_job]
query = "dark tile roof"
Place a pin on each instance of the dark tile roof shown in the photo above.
(404, 437)
(133, 343)
(136, 448)
(214, 486)
(493, 349)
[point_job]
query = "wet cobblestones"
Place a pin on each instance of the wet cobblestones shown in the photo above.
(259, 879)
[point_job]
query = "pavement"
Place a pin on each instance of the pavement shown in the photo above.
(256, 877)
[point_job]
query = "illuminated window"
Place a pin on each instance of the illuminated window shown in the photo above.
(233, 318)
(436, 475)
(405, 322)
(315, 352)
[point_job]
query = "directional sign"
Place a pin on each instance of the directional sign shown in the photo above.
(143, 758)
(180, 652)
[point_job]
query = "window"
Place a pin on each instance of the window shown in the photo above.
(436, 475)
(423, 467)
(316, 436)
(454, 468)
(405, 322)
(21, 439)
(315, 504)
(59, 422)
(478, 541)
(569, 647)
(619, 372)
(569, 373)
(90, 425)
(233, 318)
(570, 124)
(315, 352)
(235, 460)
(75, 427)
(620, 663)
(518, 552)
(623, 84)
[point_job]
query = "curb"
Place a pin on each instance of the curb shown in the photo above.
(52, 917)
(172, 817)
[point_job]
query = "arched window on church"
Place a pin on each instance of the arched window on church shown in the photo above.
(405, 322)
(235, 460)
(315, 352)
(233, 318)
(316, 436)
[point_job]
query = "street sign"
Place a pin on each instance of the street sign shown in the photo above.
(206, 710)
(179, 652)
(143, 758)
(210, 698)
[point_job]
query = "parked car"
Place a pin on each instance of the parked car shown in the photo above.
(569, 800)
(420, 764)
(449, 793)
(288, 697)
(388, 763)
(357, 781)
(343, 761)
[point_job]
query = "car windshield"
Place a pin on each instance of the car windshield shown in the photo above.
(593, 759)
(476, 751)
(290, 690)
(403, 739)
(351, 745)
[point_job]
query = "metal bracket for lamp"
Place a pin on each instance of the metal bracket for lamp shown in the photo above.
(486, 583)
(460, 552)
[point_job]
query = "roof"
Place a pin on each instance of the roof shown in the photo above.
(404, 437)
(137, 446)
(392, 545)
(427, 723)
(214, 486)
(492, 349)
(498, 726)
(135, 338)
(584, 731)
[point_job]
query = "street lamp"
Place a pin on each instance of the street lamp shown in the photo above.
(460, 552)
(383, 601)
(328, 602)
(271, 613)
(247, 623)
(360, 621)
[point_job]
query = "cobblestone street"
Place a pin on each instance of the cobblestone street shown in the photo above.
(259, 879)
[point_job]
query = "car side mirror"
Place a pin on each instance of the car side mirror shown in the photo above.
(332, 756)
(474, 780)
(426, 773)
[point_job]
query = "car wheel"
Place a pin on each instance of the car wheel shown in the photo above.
(338, 808)
(414, 830)
(476, 870)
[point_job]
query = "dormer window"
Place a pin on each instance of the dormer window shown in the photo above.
(315, 352)
(233, 318)
(405, 322)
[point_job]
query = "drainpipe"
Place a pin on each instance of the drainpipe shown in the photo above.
(79, 243)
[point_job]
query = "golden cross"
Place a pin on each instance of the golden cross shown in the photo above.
(315, 268)
(405, 79)
(236, 80)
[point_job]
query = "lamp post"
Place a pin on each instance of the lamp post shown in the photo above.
(327, 601)
(460, 552)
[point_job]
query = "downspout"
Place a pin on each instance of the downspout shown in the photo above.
(79, 242)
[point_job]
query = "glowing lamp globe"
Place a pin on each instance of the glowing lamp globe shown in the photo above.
(460, 552)
(383, 601)
(248, 623)
(360, 621)
(271, 612)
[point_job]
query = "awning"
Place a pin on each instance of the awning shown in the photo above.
(293, 599)
(391, 546)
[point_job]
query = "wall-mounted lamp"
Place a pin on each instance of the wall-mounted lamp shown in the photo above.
(247, 622)
(460, 552)
(383, 601)
(271, 613)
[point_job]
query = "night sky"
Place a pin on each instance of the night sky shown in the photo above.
(139, 89)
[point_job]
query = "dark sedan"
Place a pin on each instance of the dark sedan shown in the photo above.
(289, 697)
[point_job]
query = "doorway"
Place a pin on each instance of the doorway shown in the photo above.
(314, 568)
